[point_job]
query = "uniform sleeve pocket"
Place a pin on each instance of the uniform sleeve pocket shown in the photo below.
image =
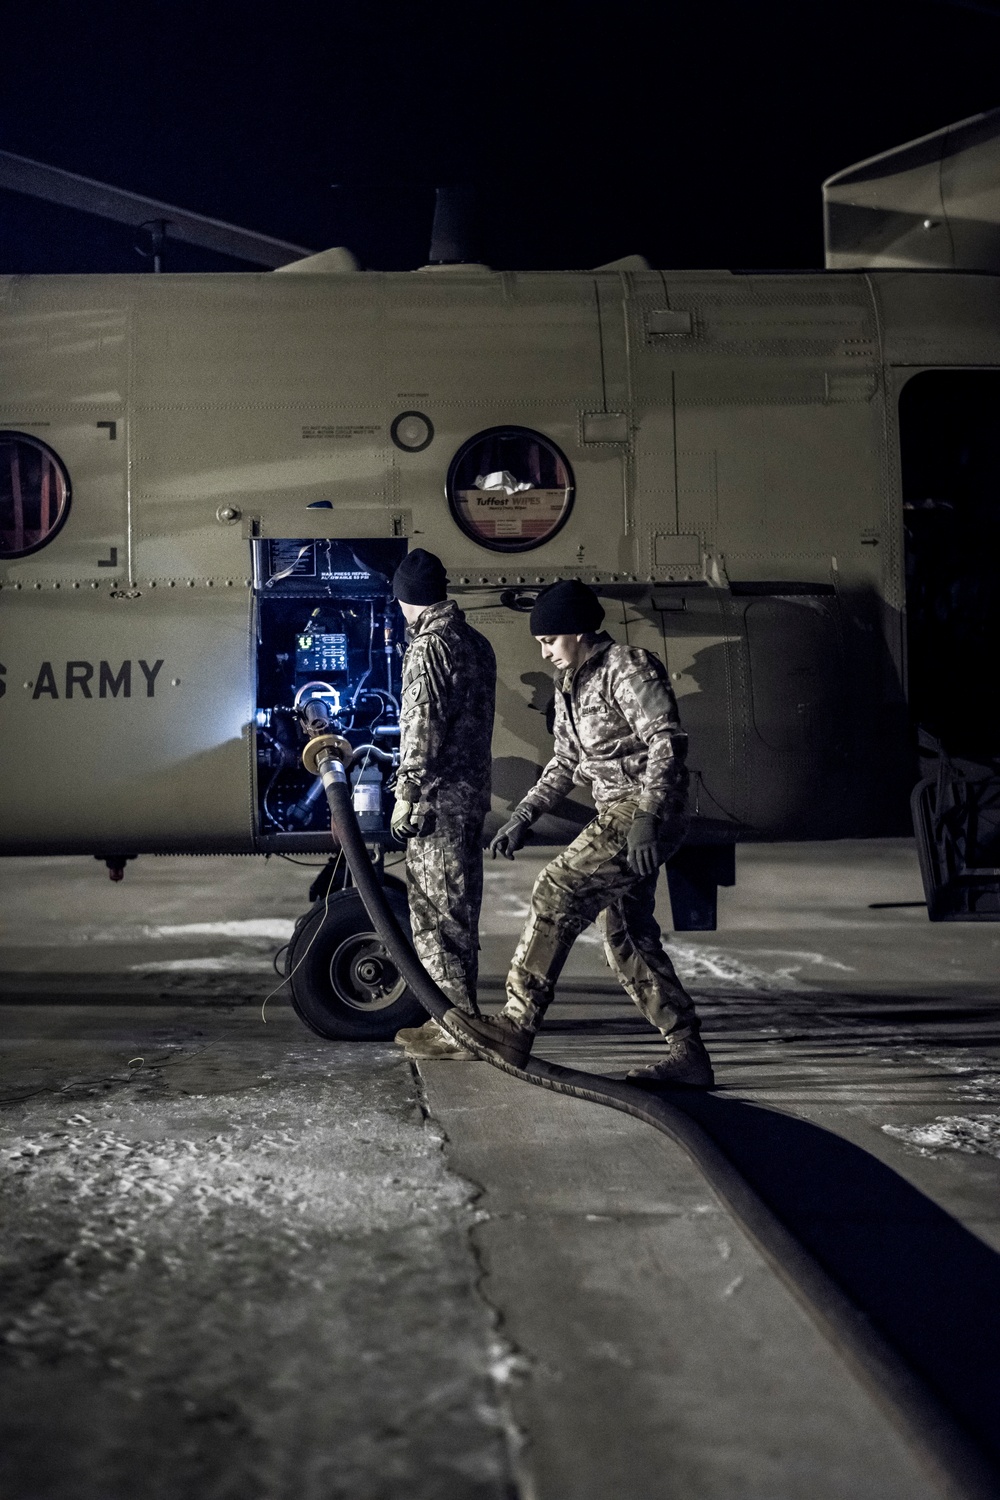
(652, 696)
(418, 691)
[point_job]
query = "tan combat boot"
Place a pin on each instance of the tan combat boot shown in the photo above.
(431, 1041)
(495, 1033)
(687, 1066)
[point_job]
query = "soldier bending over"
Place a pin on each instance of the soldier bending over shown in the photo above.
(616, 729)
(443, 787)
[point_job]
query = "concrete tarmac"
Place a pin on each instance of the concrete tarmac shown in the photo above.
(243, 1262)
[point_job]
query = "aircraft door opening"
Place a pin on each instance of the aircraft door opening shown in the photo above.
(950, 441)
(949, 424)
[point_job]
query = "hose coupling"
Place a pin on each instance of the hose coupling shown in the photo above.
(331, 747)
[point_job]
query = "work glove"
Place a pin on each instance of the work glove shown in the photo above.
(644, 844)
(510, 838)
(404, 821)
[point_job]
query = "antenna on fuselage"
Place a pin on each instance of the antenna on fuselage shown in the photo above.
(452, 233)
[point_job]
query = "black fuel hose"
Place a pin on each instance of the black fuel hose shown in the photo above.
(953, 1458)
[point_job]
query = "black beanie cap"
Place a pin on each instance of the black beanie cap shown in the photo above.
(420, 579)
(568, 607)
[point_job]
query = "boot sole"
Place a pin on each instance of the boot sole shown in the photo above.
(462, 1056)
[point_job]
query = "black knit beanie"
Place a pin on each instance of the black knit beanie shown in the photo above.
(568, 607)
(420, 579)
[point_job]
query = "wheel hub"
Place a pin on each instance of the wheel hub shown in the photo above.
(363, 974)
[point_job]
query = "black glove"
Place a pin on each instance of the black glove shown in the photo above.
(644, 844)
(510, 838)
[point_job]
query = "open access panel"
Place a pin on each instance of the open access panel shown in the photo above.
(327, 629)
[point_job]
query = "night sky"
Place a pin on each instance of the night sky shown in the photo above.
(695, 133)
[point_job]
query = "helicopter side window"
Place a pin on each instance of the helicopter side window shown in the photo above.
(34, 494)
(510, 489)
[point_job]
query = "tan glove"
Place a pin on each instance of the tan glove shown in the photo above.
(403, 822)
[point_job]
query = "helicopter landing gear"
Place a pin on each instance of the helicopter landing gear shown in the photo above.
(344, 984)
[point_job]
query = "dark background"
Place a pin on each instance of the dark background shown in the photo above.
(696, 133)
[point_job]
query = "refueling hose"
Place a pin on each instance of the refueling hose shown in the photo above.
(958, 1464)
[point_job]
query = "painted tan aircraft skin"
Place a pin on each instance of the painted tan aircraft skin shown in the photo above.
(737, 505)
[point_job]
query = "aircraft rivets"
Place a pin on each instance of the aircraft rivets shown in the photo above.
(171, 584)
(209, 583)
(95, 585)
(175, 682)
(189, 582)
(29, 685)
(229, 583)
(55, 585)
(36, 586)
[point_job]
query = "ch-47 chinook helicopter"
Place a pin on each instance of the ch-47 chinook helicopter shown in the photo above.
(786, 484)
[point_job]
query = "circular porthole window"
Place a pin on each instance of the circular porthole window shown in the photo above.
(510, 489)
(34, 494)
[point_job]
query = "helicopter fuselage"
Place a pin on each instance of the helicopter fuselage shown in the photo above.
(244, 456)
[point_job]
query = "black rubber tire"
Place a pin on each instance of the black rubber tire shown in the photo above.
(333, 951)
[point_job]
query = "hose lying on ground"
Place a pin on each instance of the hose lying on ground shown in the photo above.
(956, 1462)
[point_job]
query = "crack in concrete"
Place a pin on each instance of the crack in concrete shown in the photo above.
(509, 1365)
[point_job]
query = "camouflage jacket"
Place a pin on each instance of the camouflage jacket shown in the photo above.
(446, 715)
(616, 731)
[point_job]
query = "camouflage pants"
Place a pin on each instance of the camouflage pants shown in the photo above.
(444, 881)
(591, 881)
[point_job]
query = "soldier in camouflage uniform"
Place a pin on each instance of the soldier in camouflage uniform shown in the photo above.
(443, 787)
(616, 730)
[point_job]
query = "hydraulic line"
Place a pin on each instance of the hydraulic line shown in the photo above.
(960, 1467)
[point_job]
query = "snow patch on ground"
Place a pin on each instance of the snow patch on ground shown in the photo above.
(274, 929)
(262, 1288)
(696, 964)
(975, 1136)
(818, 959)
(150, 1184)
(229, 963)
(254, 931)
(118, 1176)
